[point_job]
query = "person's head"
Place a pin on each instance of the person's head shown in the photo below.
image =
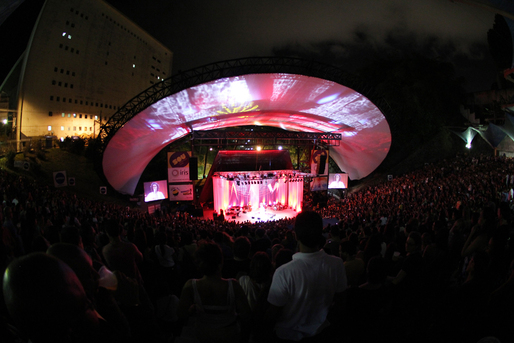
(242, 247)
(337, 177)
(208, 258)
(309, 229)
(376, 269)
(260, 267)
(413, 242)
(347, 249)
(113, 229)
(282, 257)
(155, 187)
(46, 299)
(81, 264)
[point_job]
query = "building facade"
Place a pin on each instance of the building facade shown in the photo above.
(84, 61)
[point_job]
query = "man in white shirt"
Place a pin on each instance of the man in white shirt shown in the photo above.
(303, 290)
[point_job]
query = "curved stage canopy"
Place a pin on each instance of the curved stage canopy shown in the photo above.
(290, 100)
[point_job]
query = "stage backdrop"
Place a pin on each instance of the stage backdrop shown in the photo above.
(230, 192)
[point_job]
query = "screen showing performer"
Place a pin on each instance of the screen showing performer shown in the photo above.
(155, 190)
(337, 181)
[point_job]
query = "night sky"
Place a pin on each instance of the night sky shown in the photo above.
(344, 33)
(348, 34)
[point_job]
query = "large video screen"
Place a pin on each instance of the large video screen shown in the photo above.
(338, 181)
(155, 190)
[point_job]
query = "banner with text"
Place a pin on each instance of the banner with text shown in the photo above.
(181, 192)
(178, 166)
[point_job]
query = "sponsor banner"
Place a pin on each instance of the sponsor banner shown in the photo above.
(178, 166)
(60, 179)
(317, 157)
(181, 192)
(25, 165)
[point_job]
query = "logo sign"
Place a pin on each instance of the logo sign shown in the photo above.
(181, 192)
(178, 166)
(71, 181)
(103, 190)
(25, 165)
(60, 179)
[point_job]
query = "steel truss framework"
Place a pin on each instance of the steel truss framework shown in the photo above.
(235, 67)
(222, 138)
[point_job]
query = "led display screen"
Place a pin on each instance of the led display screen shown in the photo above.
(338, 181)
(156, 190)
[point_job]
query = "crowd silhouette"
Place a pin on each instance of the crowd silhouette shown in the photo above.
(428, 256)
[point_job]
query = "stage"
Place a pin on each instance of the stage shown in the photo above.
(260, 215)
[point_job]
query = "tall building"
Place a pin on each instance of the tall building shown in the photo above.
(83, 61)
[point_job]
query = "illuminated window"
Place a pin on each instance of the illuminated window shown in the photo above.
(133, 65)
(62, 128)
(62, 114)
(69, 115)
(80, 128)
(74, 128)
(68, 128)
(90, 128)
(69, 36)
(49, 127)
(64, 34)
(74, 115)
(96, 117)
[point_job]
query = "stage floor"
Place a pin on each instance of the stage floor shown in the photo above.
(256, 216)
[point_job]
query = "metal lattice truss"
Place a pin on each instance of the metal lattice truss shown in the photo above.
(223, 138)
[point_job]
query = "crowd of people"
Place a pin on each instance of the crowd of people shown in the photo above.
(426, 256)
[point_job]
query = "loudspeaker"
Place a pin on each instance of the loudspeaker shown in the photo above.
(321, 165)
(193, 168)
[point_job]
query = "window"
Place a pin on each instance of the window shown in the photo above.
(68, 128)
(69, 100)
(71, 86)
(62, 114)
(81, 102)
(60, 46)
(62, 128)
(73, 74)
(69, 115)
(67, 72)
(50, 114)
(74, 128)
(55, 69)
(66, 84)
(74, 115)
(80, 128)
(49, 127)
(90, 128)
(53, 82)
(51, 98)
(66, 48)
(60, 83)
(80, 115)
(63, 99)
(62, 71)
(57, 99)
(85, 117)
(77, 52)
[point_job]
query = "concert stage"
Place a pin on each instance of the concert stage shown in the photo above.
(260, 215)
